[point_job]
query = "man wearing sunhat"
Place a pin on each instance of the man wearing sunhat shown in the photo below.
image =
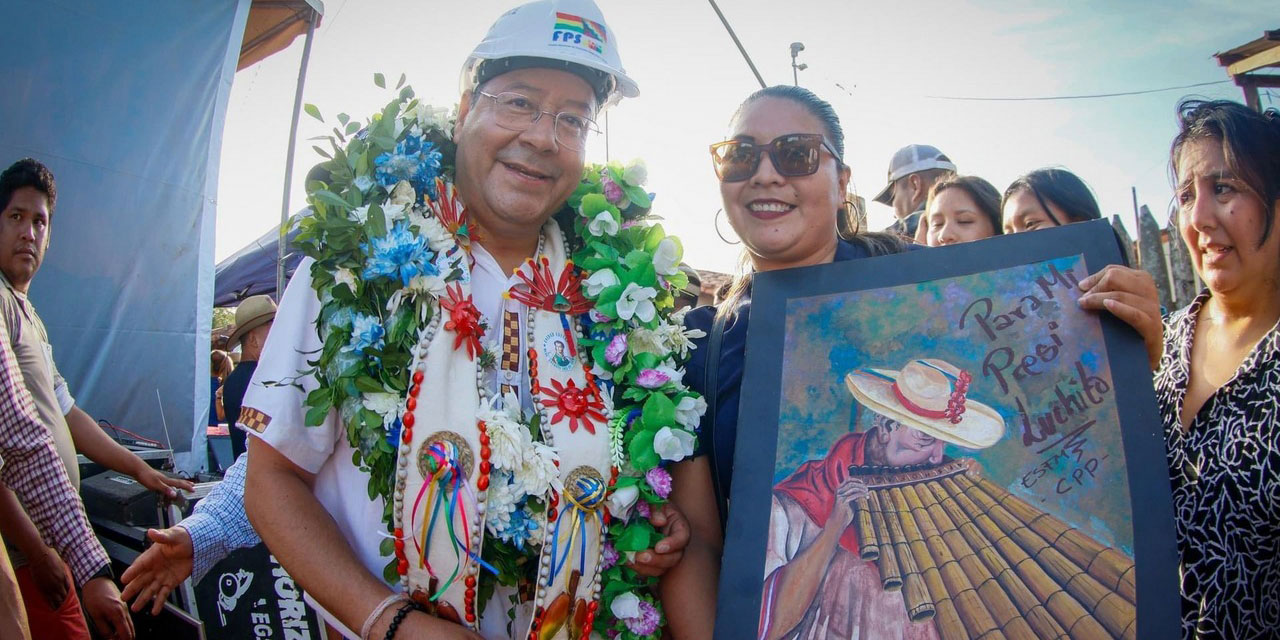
(913, 171)
(816, 582)
(253, 324)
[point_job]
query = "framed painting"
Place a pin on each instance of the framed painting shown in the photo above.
(943, 444)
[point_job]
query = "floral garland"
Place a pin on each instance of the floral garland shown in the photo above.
(387, 233)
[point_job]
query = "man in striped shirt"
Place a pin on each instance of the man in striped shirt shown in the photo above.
(32, 469)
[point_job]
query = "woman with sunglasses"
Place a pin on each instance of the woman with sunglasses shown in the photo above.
(1047, 198)
(783, 182)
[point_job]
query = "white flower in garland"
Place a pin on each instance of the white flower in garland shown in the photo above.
(673, 444)
(689, 411)
(622, 500)
(386, 405)
(666, 258)
(604, 224)
(364, 183)
(438, 237)
(626, 605)
(359, 215)
(347, 277)
(599, 281)
(394, 212)
(642, 340)
(678, 339)
(402, 194)
(532, 465)
(637, 302)
(538, 472)
(430, 285)
(429, 117)
(507, 440)
(636, 173)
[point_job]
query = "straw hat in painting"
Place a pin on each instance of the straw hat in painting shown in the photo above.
(932, 396)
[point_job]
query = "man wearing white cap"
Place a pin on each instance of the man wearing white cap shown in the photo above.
(913, 171)
(531, 92)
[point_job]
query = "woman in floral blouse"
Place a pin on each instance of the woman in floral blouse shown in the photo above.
(1218, 376)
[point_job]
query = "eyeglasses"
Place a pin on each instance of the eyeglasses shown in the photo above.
(793, 155)
(518, 112)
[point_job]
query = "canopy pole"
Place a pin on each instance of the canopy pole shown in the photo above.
(288, 166)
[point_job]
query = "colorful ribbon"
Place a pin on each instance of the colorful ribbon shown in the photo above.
(443, 490)
(580, 507)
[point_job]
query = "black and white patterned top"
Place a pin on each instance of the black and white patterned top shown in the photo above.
(1225, 475)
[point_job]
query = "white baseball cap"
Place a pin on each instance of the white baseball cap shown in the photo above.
(569, 32)
(910, 159)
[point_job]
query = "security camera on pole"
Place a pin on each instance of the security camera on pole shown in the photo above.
(796, 48)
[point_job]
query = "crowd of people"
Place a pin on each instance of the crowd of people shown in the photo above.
(299, 485)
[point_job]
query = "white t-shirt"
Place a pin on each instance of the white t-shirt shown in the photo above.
(274, 405)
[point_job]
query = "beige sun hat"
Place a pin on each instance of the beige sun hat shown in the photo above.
(252, 313)
(931, 396)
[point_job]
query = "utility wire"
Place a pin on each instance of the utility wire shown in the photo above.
(1078, 97)
(741, 49)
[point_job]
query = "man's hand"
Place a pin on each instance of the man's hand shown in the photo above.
(670, 549)
(159, 570)
(51, 577)
(160, 483)
(110, 616)
(846, 494)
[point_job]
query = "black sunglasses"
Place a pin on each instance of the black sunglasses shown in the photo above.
(793, 155)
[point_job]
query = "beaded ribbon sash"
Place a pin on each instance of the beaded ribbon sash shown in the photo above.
(443, 471)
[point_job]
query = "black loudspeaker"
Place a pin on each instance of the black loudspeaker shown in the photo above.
(119, 498)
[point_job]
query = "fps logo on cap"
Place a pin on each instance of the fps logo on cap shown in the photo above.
(571, 29)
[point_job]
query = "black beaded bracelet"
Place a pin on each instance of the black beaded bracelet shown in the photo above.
(399, 617)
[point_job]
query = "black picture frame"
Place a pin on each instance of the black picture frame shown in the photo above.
(1154, 545)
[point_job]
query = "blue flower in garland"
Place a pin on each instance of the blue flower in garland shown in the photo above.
(520, 529)
(414, 160)
(393, 434)
(366, 333)
(400, 254)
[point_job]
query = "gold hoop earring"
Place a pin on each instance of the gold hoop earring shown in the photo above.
(851, 212)
(716, 223)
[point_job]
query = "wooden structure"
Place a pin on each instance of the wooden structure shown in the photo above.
(1244, 62)
(273, 25)
(983, 563)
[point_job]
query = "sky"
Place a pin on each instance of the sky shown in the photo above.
(891, 70)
